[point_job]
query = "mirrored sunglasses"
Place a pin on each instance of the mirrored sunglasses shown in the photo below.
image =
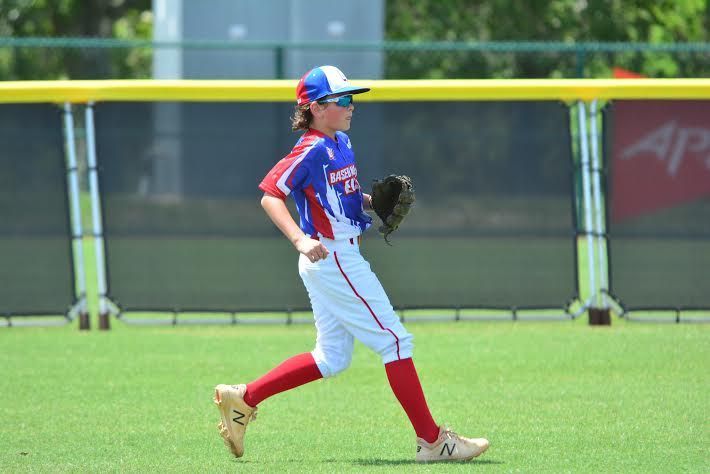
(342, 101)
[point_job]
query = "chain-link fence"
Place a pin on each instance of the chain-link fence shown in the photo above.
(103, 58)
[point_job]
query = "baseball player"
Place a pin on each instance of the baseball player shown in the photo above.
(348, 300)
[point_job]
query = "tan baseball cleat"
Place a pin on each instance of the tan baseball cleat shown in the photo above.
(236, 415)
(450, 447)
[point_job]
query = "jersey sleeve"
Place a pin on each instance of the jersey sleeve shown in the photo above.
(289, 174)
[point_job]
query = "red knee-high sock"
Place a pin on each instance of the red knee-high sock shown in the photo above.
(291, 373)
(405, 384)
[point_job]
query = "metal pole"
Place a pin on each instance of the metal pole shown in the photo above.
(581, 54)
(584, 151)
(598, 210)
(96, 217)
(279, 59)
(77, 231)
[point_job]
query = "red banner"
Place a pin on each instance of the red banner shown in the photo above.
(620, 73)
(660, 155)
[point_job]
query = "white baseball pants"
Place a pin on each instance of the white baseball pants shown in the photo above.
(349, 302)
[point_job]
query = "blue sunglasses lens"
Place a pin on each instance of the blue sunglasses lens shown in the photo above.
(345, 100)
(342, 101)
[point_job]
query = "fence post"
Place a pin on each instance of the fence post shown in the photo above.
(279, 61)
(600, 231)
(77, 237)
(104, 323)
(587, 206)
(580, 61)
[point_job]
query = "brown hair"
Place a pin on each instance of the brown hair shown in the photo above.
(302, 118)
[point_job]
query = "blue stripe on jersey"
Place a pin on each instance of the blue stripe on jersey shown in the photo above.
(324, 186)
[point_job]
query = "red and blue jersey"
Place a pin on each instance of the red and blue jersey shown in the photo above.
(321, 175)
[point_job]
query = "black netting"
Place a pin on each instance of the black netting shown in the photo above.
(659, 203)
(493, 225)
(36, 275)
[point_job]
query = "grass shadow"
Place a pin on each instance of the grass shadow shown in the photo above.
(405, 462)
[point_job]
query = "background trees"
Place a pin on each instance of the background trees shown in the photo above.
(468, 24)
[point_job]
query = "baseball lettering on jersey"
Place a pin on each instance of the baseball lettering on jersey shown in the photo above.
(347, 176)
(342, 174)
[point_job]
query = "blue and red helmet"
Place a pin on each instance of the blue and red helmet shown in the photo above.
(323, 81)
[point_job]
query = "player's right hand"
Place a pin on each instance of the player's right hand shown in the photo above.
(311, 248)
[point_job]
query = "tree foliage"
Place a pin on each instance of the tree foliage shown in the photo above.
(474, 21)
(567, 21)
(130, 19)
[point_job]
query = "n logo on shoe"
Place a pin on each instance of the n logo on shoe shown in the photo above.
(419, 448)
(448, 449)
(237, 418)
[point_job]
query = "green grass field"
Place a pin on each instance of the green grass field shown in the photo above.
(551, 397)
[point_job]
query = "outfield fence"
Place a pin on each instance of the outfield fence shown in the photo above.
(537, 199)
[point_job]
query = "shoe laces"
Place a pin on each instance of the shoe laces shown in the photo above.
(447, 433)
